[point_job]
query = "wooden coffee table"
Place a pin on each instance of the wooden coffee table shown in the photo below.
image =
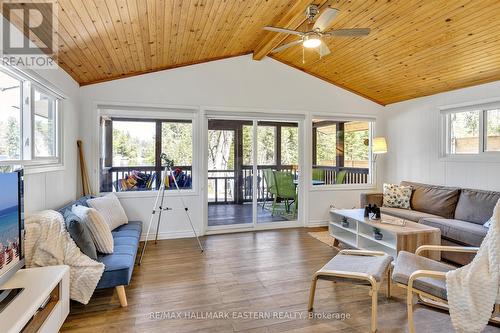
(357, 232)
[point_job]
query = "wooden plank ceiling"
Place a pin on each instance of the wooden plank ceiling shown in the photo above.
(416, 48)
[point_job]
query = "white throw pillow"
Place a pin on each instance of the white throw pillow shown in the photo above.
(99, 229)
(111, 209)
(397, 196)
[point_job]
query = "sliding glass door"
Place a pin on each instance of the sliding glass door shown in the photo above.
(277, 165)
(251, 182)
(229, 184)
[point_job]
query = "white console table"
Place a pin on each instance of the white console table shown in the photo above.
(24, 314)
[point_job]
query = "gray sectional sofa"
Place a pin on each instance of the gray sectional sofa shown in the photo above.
(458, 213)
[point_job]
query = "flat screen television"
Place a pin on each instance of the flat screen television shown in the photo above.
(11, 223)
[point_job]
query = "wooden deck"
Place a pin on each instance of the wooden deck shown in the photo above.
(229, 214)
(264, 271)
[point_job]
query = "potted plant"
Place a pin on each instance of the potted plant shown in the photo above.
(377, 234)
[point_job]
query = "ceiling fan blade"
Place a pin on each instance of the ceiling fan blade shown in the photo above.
(286, 46)
(356, 32)
(323, 50)
(326, 19)
(284, 31)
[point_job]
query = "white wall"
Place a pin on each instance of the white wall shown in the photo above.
(412, 129)
(51, 190)
(231, 83)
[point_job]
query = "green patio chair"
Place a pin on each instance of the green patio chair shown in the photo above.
(270, 185)
(286, 190)
(319, 174)
(340, 179)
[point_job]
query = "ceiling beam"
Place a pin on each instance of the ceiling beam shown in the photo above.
(293, 19)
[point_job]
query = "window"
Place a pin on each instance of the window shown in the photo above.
(326, 143)
(472, 131)
(133, 143)
(266, 147)
(493, 130)
(10, 121)
(45, 123)
(30, 122)
(289, 145)
(464, 132)
(247, 144)
(132, 149)
(341, 152)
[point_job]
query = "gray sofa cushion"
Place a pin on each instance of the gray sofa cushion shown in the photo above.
(459, 231)
(407, 263)
(433, 199)
(406, 214)
(476, 206)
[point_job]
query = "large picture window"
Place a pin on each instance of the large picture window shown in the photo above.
(132, 149)
(472, 131)
(30, 121)
(341, 152)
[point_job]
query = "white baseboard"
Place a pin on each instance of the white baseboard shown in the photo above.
(170, 234)
(317, 223)
(189, 233)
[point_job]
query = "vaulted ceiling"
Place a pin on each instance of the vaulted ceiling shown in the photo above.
(416, 47)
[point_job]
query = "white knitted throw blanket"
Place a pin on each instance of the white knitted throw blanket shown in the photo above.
(474, 289)
(48, 243)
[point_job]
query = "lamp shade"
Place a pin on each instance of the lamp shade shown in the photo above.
(379, 145)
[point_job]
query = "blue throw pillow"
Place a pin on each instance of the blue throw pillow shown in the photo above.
(80, 234)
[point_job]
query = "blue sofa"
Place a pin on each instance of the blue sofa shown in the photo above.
(120, 264)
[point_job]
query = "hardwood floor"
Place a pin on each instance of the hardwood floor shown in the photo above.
(245, 272)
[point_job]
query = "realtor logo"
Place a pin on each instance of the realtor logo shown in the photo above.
(29, 33)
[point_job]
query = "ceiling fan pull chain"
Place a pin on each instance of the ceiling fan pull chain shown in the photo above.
(303, 56)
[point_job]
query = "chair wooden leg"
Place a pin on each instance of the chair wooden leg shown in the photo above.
(374, 294)
(120, 290)
(389, 283)
(311, 293)
(409, 304)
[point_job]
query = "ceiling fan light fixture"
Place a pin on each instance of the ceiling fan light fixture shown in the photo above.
(311, 42)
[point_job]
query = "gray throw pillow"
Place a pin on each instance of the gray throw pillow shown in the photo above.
(80, 234)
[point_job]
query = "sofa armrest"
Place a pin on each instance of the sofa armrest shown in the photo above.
(371, 198)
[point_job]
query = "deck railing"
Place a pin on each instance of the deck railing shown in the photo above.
(228, 186)
(111, 177)
(353, 175)
(226, 179)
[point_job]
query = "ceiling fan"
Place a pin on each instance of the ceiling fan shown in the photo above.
(312, 39)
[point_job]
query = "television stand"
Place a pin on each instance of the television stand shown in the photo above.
(7, 296)
(43, 304)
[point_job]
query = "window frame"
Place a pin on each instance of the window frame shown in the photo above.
(146, 114)
(445, 131)
(31, 163)
(371, 183)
